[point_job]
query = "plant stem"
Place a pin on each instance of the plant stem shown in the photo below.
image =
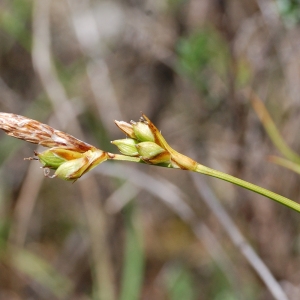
(247, 185)
(189, 164)
(124, 157)
(285, 163)
(272, 130)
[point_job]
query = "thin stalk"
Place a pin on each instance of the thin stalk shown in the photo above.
(272, 130)
(247, 185)
(85, 157)
(181, 159)
(285, 163)
(124, 157)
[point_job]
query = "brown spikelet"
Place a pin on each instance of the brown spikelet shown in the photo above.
(38, 133)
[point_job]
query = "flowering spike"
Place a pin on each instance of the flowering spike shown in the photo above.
(145, 131)
(70, 157)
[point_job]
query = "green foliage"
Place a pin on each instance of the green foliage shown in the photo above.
(42, 272)
(219, 287)
(243, 73)
(203, 57)
(201, 52)
(289, 11)
(179, 283)
(14, 20)
(133, 272)
(224, 295)
(174, 4)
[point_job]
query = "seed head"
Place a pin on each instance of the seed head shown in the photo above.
(38, 133)
(70, 157)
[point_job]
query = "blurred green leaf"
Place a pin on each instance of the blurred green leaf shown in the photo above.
(204, 58)
(295, 167)
(14, 22)
(289, 11)
(202, 50)
(243, 73)
(133, 272)
(176, 3)
(42, 272)
(225, 295)
(272, 130)
(180, 284)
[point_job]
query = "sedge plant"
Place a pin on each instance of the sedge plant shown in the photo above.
(71, 158)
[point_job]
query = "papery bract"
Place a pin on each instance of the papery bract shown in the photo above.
(74, 169)
(54, 157)
(126, 128)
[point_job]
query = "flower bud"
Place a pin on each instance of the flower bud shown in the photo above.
(54, 157)
(143, 132)
(152, 153)
(127, 146)
(126, 128)
(74, 169)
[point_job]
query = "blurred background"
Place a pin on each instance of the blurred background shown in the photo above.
(128, 231)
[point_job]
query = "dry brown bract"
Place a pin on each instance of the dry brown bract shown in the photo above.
(38, 133)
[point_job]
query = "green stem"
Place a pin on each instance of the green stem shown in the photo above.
(285, 163)
(272, 130)
(124, 157)
(247, 185)
(191, 165)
